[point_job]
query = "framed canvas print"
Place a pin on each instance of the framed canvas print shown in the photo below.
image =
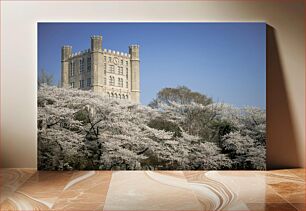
(151, 96)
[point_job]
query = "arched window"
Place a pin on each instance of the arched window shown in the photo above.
(112, 95)
(116, 96)
(119, 96)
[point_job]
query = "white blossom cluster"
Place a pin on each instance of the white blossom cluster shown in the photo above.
(83, 130)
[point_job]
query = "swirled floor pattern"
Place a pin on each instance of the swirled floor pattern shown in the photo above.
(28, 189)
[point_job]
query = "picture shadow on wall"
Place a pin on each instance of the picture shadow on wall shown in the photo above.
(282, 149)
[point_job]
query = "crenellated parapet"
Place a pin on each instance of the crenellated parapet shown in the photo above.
(80, 53)
(116, 53)
(105, 51)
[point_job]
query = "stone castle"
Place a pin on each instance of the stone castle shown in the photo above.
(110, 73)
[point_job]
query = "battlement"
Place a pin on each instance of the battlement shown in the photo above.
(96, 37)
(80, 53)
(67, 46)
(105, 51)
(116, 53)
(134, 46)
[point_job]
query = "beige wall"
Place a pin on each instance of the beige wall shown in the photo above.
(285, 73)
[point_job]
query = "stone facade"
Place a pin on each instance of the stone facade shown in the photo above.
(110, 73)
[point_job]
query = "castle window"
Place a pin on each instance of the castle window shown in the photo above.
(112, 80)
(121, 62)
(104, 68)
(109, 59)
(120, 70)
(81, 83)
(112, 68)
(81, 65)
(127, 73)
(104, 81)
(72, 84)
(88, 81)
(120, 82)
(71, 70)
(126, 84)
(104, 58)
(88, 64)
(127, 63)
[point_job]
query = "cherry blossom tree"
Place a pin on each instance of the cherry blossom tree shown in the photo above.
(83, 130)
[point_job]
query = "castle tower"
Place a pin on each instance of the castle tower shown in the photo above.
(66, 53)
(97, 64)
(109, 73)
(135, 73)
(96, 43)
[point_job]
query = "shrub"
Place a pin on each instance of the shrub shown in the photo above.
(82, 116)
(162, 124)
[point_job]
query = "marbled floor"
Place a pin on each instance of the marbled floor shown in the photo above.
(28, 189)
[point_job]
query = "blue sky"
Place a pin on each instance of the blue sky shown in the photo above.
(225, 61)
